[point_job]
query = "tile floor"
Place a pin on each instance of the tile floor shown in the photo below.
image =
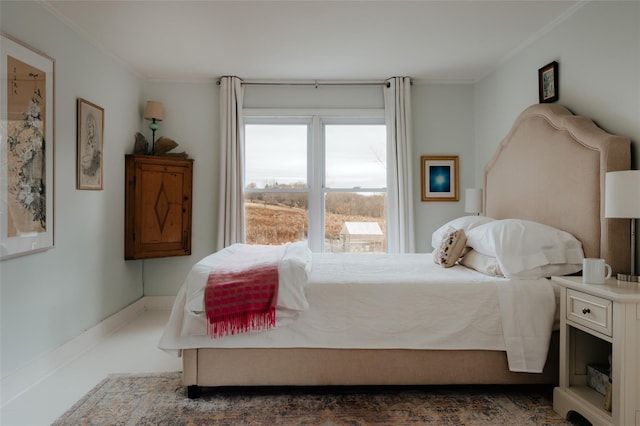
(131, 349)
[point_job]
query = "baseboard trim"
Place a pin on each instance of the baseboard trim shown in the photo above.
(30, 375)
(158, 303)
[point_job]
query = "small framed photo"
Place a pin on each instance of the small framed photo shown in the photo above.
(548, 83)
(90, 146)
(439, 178)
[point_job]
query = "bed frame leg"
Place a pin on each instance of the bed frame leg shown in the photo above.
(193, 391)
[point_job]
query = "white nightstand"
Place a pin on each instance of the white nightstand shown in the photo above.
(595, 321)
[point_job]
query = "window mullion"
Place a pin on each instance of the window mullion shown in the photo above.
(316, 196)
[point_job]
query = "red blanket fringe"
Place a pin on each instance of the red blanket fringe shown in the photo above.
(238, 302)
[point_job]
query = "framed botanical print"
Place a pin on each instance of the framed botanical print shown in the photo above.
(90, 145)
(439, 178)
(548, 83)
(26, 149)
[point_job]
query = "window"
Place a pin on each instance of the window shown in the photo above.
(316, 178)
(276, 181)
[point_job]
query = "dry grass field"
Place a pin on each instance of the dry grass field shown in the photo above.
(274, 224)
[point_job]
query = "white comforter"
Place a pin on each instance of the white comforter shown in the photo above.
(389, 301)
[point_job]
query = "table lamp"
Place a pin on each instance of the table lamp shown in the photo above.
(622, 201)
(473, 201)
(153, 112)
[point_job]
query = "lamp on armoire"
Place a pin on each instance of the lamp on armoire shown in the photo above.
(622, 201)
(155, 113)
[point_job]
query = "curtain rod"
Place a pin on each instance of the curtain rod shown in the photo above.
(315, 83)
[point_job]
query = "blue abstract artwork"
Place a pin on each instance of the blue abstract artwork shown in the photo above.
(440, 179)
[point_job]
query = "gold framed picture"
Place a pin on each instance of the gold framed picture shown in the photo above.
(439, 178)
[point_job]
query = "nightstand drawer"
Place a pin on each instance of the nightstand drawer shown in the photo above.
(590, 311)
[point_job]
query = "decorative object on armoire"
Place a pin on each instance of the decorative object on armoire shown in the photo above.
(26, 180)
(164, 146)
(439, 178)
(154, 112)
(90, 145)
(140, 145)
(548, 83)
(157, 206)
(622, 201)
(473, 201)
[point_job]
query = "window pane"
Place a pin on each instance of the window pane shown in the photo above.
(355, 222)
(356, 156)
(276, 218)
(275, 155)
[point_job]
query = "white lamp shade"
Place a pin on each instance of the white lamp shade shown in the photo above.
(154, 110)
(473, 200)
(622, 194)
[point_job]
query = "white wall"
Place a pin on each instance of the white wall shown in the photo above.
(598, 52)
(442, 125)
(279, 96)
(50, 297)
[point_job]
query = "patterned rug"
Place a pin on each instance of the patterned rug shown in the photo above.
(160, 399)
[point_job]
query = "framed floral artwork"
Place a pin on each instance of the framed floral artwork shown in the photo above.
(26, 149)
(439, 178)
(90, 133)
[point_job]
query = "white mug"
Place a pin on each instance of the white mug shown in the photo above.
(593, 271)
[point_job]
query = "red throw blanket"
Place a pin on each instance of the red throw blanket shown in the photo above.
(241, 301)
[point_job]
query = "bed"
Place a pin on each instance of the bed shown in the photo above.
(548, 171)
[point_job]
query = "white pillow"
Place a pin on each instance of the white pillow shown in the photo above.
(488, 265)
(465, 223)
(523, 247)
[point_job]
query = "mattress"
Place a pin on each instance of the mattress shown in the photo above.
(390, 301)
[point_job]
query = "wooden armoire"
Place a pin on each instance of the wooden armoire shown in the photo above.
(157, 206)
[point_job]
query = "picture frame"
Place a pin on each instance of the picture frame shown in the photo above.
(439, 177)
(548, 83)
(90, 151)
(26, 149)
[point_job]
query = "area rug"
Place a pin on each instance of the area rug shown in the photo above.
(160, 399)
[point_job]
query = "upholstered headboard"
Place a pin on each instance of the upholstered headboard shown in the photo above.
(551, 168)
